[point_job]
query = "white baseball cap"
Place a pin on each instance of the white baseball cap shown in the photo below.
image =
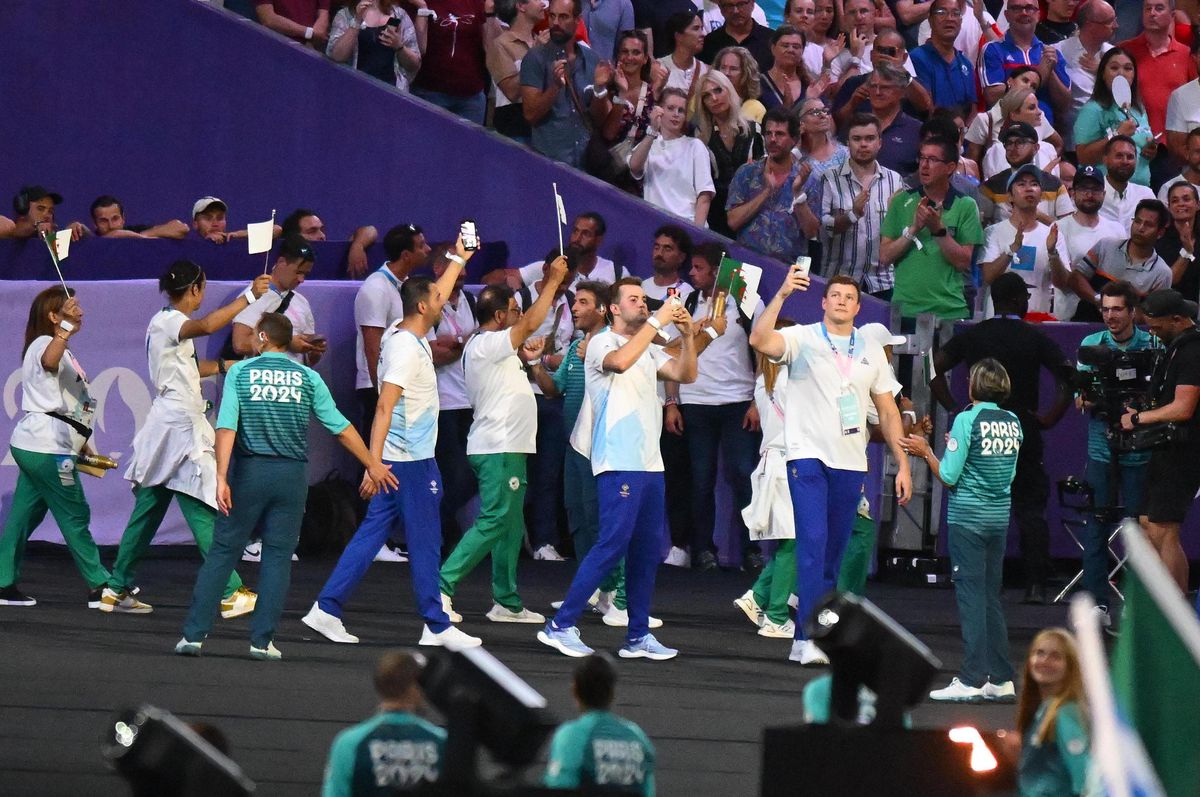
(881, 335)
(204, 203)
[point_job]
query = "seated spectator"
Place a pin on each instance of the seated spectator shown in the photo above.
(853, 96)
(1020, 147)
(1191, 171)
(1058, 24)
(600, 741)
(1021, 45)
(984, 129)
(209, 221)
(730, 136)
(1133, 260)
(739, 30)
(638, 81)
(785, 85)
(1051, 717)
(941, 68)
(714, 17)
(453, 72)
(859, 24)
(377, 37)
(1101, 118)
(673, 166)
(33, 209)
(765, 197)
(1020, 107)
(1177, 246)
(308, 225)
(605, 21)
(684, 68)
(901, 133)
(504, 56)
(304, 21)
(108, 214)
(557, 88)
(742, 70)
(414, 747)
(651, 16)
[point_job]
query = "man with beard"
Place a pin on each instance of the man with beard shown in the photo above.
(766, 199)
(560, 82)
(1133, 259)
(1121, 197)
(1082, 230)
(587, 236)
(854, 198)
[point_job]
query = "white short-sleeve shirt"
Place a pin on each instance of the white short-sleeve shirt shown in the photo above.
(1183, 108)
(298, 311)
(604, 271)
(174, 370)
(1079, 240)
(625, 408)
(407, 362)
(813, 422)
(505, 410)
(377, 304)
(725, 370)
(1032, 261)
(458, 321)
(677, 172)
(64, 392)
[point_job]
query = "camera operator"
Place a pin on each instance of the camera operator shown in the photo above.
(1118, 303)
(1173, 475)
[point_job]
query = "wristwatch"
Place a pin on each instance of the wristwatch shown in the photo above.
(1136, 418)
(939, 233)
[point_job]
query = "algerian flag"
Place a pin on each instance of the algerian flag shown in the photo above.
(739, 280)
(1156, 667)
(62, 243)
(259, 235)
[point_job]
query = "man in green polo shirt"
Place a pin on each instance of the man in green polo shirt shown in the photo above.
(929, 235)
(263, 429)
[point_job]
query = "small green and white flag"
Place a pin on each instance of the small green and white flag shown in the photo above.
(739, 280)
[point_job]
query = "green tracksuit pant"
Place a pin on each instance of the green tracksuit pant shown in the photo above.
(776, 583)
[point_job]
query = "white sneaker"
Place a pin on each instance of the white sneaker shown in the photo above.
(387, 554)
(328, 626)
(1004, 692)
(958, 692)
(619, 618)
(253, 552)
(548, 553)
(448, 608)
(678, 557)
(807, 653)
(750, 608)
(786, 630)
(123, 602)
(295, 558)
(556, 605)
(603, 602)
(451, 639)
(499, 614)
(241, 602)
(269, 653)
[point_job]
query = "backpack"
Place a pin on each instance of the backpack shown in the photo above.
(332, 513)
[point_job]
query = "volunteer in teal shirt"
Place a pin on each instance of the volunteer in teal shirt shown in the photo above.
(1054, 734)
(263, 428)
(395, 750)
(978, 465)
(600, 748)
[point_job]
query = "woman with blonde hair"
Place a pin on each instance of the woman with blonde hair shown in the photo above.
(737, 64)
(731, 138)
(1051, 718)
(1020, 105)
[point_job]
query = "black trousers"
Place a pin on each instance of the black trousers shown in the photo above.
(1030, 493)
(458, 480)
(678, 478)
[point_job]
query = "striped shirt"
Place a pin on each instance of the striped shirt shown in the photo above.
(267, 401)
(855, 252)
(979, 464)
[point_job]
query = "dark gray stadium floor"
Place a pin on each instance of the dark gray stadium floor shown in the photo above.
(66, 670)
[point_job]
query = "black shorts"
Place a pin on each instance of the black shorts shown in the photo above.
(1172, 479)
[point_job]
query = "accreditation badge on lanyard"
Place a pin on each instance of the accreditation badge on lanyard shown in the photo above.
(847, 402)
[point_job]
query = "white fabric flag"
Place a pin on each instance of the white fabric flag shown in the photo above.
(259, 235)
(62, 243)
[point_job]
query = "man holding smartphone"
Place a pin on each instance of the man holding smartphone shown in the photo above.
(294, 264)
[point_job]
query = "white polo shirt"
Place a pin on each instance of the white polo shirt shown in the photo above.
(377, 304)
(812, 420)
(725, 370)
(505, 410)
(458, 321)
(407, 362)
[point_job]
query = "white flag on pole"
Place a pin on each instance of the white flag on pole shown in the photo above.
(62, 243)
(558, 204)
(259, 235)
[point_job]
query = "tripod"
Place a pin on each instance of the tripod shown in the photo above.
(1108, 517)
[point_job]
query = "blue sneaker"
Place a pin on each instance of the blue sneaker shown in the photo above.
(647, 648)
(565, 640)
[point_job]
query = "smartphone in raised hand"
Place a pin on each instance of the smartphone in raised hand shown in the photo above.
(470, 235)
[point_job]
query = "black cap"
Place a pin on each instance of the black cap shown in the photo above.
(1088, 174)
(1027, 168)
(30, 194)
(295, 247)
(1018, 130)
(1009, 287)
(1167, 302)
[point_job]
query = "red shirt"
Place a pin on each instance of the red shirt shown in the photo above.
(454, 60)
(1159, 75)
(302, 12)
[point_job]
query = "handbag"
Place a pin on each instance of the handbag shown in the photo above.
(611, 163)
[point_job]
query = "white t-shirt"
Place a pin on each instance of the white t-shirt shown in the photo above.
(1183, 108)
(459, 322)
(813, 422)
(64, 392)
(682, 78)
(725, 371)
(1032, 262)
(1079, 240)
(841, 63)
(1121, 207)
(677, 172)
(969, 35)
(655, 291)
(625, 410)
(770, 411)
(298, 311)
(377, 304)
(813, 58)
(1082, 81)
(714, 19)
(407, 362)
(977, 131)
(173, 368)
(505, 410)
(604, 271)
